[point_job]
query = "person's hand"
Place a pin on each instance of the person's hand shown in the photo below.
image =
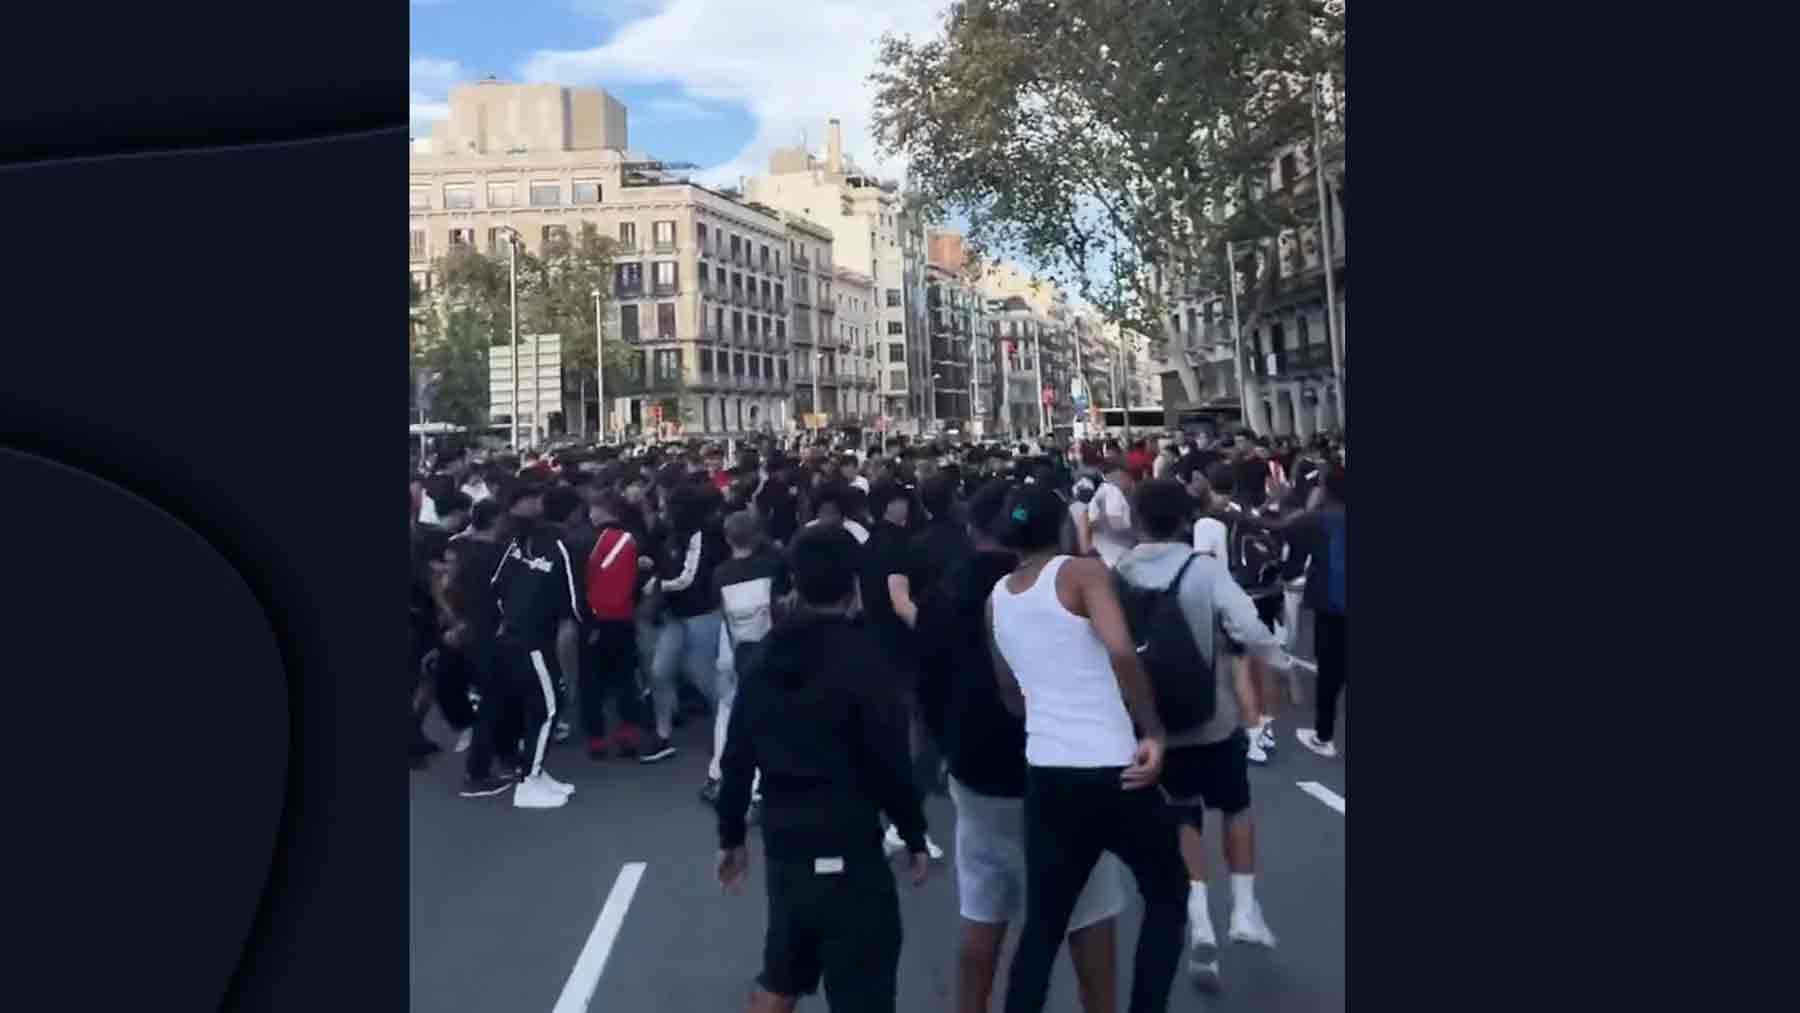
(645, 563)
(921, 867)
(733, 863)
(1146, 765)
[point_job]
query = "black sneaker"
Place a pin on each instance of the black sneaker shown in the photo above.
(493, 784)
(660, 749)
(709, 792)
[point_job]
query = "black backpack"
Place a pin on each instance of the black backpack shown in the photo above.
(1255, 561)
(1180, 674)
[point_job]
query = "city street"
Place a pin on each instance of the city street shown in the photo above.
(506, 902)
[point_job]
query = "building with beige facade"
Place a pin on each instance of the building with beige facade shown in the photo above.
(865, 214)
(700, 286)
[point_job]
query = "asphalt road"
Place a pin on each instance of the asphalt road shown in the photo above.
(503, 900)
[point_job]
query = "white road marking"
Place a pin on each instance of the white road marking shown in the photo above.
(578, 991)
(1323, 794)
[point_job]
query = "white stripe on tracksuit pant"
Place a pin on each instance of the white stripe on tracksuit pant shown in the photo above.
(547, 686)
(727, 690)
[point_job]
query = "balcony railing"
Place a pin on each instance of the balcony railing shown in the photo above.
(737, 257)
(629, 292)
(801, 260)
(781, 306)
(665, 246)
(663, 289)
(737, 297)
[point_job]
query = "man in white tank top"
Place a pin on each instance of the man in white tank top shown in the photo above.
(1065, 661)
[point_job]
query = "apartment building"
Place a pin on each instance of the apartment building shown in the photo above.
(811, 250)
(1288, 386)
(699, 286)
(853, 362)
(956, 315)
(866, 217)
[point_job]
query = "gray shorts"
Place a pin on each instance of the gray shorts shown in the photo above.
(990, 864)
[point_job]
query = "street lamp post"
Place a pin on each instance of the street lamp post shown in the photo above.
(599, 364)
(512, 270)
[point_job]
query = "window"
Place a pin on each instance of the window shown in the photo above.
(780, 298)
(756, 367)
(668, 364)
(665, 320)
(783, 366)
(628, 323)
(418, 198)
(777, 261)
(765, 294)
(721, 282)
(628, 280)
(893, 297)
(665, 277)
(587, 192)
(737, 283)
(545, 195)
(700, 235)
(897, 379)
(628, 235)
(634, 365)
(556, 233)
(460, 197)
(765, 257)
(737, 324)
(502, 195)
(706, 360)
(462, 237)
(736, 246)
(415, 244)
(895, 327)
(664, 235)
(781, 330)
(737, 364)
(896, 353)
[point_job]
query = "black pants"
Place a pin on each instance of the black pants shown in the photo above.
(455, 674)
(841, 926)
(1071, 816)
(609, 667)
(498, 719)
(1330, 640)
(531, 674)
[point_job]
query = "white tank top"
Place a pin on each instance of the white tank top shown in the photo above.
(1074, 716)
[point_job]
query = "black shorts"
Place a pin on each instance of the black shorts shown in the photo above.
(1215, 776)
(843, 927)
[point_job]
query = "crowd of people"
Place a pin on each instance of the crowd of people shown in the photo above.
(1083, 645)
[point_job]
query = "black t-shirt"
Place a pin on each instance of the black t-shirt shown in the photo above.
(885, 554)
(934, 552)
(779, 505)
(471, 591)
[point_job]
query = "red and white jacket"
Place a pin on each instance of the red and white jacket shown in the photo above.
(612, 574)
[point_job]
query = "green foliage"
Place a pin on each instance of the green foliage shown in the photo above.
(451, 352)
(1107, 139)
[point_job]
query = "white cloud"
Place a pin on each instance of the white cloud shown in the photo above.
(679, 109)
(428, 91)
(791, 66)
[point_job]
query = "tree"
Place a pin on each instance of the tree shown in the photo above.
(555, 293)
(1119, 144)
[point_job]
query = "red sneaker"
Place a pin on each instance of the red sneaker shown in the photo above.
(627, 739)
(598, 748)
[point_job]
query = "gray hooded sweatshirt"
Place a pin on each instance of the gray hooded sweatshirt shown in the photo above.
(1207, 590)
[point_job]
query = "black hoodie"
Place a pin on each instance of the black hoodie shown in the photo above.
(983, 741)
(819, 714)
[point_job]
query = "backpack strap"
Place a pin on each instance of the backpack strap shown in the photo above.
(1176, 583)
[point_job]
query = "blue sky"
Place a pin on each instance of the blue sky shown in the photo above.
(715, 82)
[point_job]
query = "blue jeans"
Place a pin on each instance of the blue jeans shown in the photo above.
(688, 646)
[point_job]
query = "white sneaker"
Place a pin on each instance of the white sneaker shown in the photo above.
(554, 784)
(932, 851)
(1310, 739)
(1266, 737)
(1249, 927)
(891, 844)
(534, 793)
(1203, 955)
(1257, 755)
(466, 739)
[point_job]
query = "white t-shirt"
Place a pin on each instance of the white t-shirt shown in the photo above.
(1112, 543)
(1209, 537)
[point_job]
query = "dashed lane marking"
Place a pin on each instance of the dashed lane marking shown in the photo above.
(1323, 794)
